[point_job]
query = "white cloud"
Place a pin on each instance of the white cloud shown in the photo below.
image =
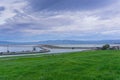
(77, 23)
(111, 32)
(10, 7)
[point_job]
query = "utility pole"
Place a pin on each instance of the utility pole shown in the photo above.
(8, 49)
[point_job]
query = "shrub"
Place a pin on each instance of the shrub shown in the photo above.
(106, 47)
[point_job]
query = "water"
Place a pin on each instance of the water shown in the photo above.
(19, 48)
(76, 50)
(65, 50)
(86, 45)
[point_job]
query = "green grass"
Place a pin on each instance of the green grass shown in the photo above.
(88, 65)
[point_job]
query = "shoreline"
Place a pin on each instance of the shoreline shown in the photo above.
(46, 49)
(34, 54)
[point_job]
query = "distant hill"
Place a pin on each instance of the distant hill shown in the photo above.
(17, 43)
(5, 42)
(63, 42)
(80, 42)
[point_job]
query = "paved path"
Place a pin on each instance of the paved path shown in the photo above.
(21, 55)
(2, 56)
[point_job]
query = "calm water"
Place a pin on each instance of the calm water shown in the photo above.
(19, 48)
(87, 45)
(75, 50)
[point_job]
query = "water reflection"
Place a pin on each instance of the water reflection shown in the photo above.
(18, 48)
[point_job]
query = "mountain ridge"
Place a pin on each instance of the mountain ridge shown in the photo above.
(66, 42)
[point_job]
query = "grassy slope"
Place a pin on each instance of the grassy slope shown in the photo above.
(91, 65)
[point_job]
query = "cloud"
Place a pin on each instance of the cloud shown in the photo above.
(63, 5)
(2, 8)
(78, 19)
(8, 10)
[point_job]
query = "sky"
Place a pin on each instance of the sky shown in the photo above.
(39, 20)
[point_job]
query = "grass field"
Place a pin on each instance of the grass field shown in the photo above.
(88, 65)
